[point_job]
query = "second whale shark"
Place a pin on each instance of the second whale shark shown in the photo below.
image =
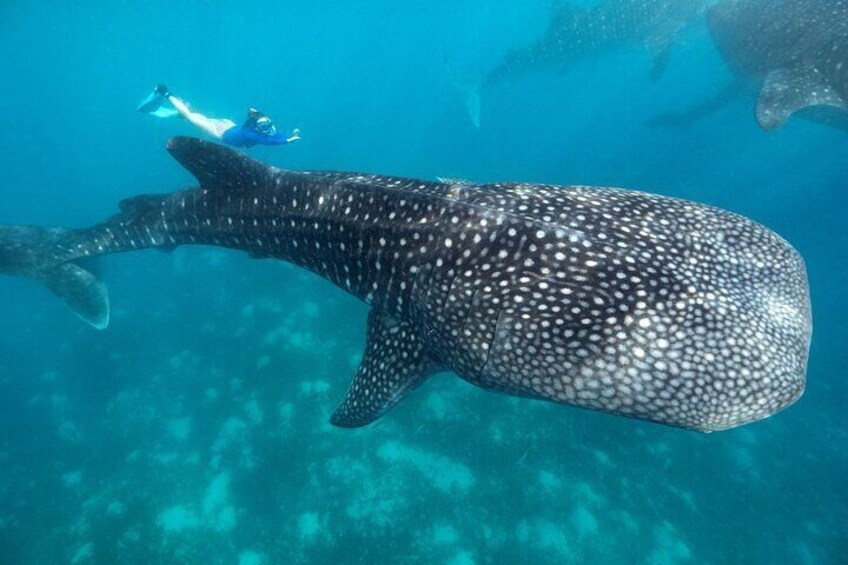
(613, 300)
(792, 53)
(575, 33)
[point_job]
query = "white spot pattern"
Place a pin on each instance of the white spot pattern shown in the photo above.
(613, 300)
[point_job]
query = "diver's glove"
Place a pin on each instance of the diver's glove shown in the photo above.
(162, 90)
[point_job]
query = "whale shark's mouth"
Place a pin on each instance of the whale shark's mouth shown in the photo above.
(766, 322)
(761, 405)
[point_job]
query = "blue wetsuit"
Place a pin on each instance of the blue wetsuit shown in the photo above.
(246, 136)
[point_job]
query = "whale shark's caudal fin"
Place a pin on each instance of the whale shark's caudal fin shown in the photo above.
(785, 91)
(33, 252)
(82, 292)
(395, 362)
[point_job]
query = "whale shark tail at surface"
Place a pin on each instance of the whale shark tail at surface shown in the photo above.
(613, 300)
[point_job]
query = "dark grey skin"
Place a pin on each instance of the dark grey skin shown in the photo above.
(619, 301)
(792, 53)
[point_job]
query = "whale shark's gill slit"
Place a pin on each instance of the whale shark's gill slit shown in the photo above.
(492, 343)
(448, 293)
(469, 311)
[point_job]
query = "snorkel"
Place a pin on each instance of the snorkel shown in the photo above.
(260, 122)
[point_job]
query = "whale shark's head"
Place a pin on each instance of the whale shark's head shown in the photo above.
(702, 318)
(742, 327)
(765, 307)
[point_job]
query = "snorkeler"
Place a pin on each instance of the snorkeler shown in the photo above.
(258, 129)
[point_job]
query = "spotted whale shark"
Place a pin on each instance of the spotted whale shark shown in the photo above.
(619, 301)
(792, 53)
(576, 33)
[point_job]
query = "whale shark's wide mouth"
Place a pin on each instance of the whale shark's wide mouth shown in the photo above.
(762, 407)
(766, 330)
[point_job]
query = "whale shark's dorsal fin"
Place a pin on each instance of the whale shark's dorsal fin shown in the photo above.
(785, 91)
(216, 166)
(394, 363)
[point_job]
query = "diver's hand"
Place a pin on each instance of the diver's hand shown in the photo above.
(295, 136)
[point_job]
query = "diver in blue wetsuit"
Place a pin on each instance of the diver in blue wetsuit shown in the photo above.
(258, 129)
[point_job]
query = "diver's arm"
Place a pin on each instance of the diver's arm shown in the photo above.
(195, 118)
(277, 139)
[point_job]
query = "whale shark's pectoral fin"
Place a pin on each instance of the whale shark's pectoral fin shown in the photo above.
(660, 54)
(660, 44)
(785, 91)
(395, 362)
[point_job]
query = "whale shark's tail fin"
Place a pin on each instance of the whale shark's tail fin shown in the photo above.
(37, 253)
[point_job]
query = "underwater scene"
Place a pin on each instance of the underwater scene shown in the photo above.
(452, 342)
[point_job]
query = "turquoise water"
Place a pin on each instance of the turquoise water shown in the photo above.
(194, 429)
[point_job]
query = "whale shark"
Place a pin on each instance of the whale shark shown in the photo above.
(575, 33)
(608, 299)
(792, 53)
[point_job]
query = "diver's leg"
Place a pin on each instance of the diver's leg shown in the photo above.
(209, 126)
